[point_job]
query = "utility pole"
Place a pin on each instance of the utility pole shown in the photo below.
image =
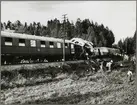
(64, 22)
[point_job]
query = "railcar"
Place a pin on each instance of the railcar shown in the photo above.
(100, 51)
(17, 47)
(114, 51)
(106, 51)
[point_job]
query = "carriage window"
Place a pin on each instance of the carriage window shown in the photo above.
(42, 44)
(32, 43)
(76, 42)
(58, 45)
(51, 44)
(72, 46)
(66, 45)
(21, 42)
(8, 41)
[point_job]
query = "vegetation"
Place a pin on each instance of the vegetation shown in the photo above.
(98, 34)
(77, 87)
(128, 45)
(88, 30)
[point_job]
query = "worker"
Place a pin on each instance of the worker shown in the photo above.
(87, 57)
(101, 66)
(129, 75)
(109, 64)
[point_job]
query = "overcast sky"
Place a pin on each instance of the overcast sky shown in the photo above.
(119, 16)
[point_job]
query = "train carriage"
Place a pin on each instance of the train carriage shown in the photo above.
(22, 46)
(17, 47)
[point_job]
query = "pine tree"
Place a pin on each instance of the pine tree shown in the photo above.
(78, 26)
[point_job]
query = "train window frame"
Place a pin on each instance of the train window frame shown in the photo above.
(73, 40)
(72, 49)
(72, 46)
(51, 44)
(33, 43)
(22, 42)
(8, 41)
(66, 45)
(58, 45)
(42, 44)
(76, 42)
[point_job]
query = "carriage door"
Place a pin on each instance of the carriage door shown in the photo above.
(72, 49)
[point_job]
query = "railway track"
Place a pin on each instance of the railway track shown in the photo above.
(36, 65)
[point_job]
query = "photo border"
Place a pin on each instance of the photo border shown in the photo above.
(62, 1)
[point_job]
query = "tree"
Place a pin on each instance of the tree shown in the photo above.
(73, 31)
(128, 46)
(102, 26)
(95, 41)
(25, 27)
(61, 31)
(78, 27)
(34, 25)
(4, 26)
(68, 29)
(134, 42)
(100, 44)
(37, 30)
(91, 33)
(96, 24)
(85, 24)
(8, 24)
(1, 26)
(110, 39)
(102, 39)
(120, 44)
(30, 29)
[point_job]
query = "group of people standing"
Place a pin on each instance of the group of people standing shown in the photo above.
(108, 66)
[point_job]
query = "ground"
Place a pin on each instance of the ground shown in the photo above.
(68, 87)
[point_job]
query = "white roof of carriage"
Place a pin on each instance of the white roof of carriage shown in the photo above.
(81, 42)
(33, 37)
(105, 49)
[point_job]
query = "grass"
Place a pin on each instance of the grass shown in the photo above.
(70, 84)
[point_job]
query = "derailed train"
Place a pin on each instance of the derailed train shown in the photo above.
(16, 48)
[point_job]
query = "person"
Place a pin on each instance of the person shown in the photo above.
(101, 66)
(109, 64)
(87, 56)
(126, 57)
(101, 70)
(133, 59)
(129, 75)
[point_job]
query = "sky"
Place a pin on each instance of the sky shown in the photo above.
(118, 16)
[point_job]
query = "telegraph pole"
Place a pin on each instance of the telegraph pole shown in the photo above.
(64, 22)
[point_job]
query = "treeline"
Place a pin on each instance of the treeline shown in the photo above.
(128, 45)
(98, 34)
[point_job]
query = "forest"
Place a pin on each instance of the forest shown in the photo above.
(128, 45)
(99, 35)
